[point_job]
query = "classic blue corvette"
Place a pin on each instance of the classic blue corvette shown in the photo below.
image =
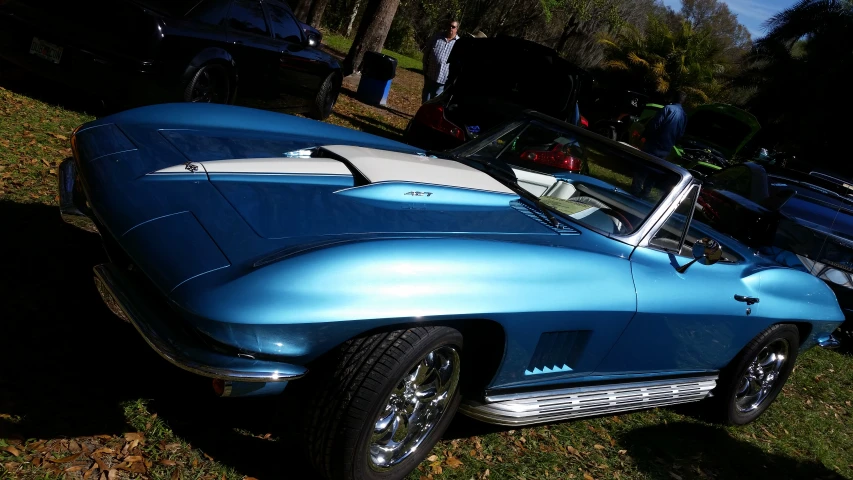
(390, 287)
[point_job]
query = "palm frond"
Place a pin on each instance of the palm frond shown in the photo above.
(636, 60)
(616, 65)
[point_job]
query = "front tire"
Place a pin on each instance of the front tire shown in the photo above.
(754, 379)
(380, 405)
(326, 97)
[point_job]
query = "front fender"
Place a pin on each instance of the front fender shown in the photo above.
(301, 307)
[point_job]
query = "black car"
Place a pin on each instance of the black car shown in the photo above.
(492, 80)
(798, 219)
(138, 52)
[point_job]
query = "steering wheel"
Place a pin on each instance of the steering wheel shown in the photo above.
(604, 208)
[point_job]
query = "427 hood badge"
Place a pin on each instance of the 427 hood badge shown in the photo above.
(418, 194)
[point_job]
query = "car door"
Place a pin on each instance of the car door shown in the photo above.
(687, 321)
(253, 48)
(300, 70)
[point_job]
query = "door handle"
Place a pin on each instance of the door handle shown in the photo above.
(748, 300)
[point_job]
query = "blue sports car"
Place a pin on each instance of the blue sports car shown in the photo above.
(388, 288)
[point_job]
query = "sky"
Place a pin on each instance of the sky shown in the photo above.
(751, 13)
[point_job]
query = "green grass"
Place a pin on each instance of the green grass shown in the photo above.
(806, 434)
(343, 44)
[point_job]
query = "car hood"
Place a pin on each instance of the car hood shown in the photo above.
(720, 127)
(194, 189)
(514, 72)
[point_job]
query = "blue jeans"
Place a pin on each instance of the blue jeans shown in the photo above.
(431, 89)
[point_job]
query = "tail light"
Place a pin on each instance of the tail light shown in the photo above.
(554, 157)
(432, 115)
(584, 122)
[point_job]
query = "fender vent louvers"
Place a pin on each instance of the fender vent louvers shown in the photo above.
(535, 214)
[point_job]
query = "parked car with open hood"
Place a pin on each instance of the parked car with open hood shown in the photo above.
(715, 134)
(136, 52)
(490, 81)
(387, 288)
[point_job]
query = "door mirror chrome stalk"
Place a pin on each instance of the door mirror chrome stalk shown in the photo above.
(706, 251)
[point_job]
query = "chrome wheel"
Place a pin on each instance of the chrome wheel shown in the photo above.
(761, 376)
(414, 408)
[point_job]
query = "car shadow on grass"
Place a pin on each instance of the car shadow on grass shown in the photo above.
(24, 83)
(70, 367)
(694, 450)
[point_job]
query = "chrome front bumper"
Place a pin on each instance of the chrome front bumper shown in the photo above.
(120, 293)
(70, 194)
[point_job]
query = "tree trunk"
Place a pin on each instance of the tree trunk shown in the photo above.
(352, 17)
(371, 33)
(303, 8)
(316, 15)
(568, 30)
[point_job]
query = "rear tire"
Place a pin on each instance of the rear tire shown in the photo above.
(750, 384)
(363, 403)
(326, 97)
(210, 84)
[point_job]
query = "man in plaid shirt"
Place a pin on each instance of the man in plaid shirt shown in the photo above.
(435, 60)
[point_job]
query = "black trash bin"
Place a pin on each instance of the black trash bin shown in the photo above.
(377, 71)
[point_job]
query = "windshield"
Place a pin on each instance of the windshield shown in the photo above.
(588, 181)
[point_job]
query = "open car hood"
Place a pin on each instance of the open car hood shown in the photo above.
(514, 71)
(720, 127)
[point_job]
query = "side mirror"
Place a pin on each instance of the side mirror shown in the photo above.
(706, 251)
(314, 39)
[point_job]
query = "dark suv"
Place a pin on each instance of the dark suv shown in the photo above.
(138, 52)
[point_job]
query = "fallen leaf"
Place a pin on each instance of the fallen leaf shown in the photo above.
(103, 476)
(266, 436)
(573, 450)
(612, 442)
(453, 462)
(134, 458)
(486, 473)
(134, 436)
(104, 450)
(176, 474)
(89, 471)
(133, 444)
(105, 437)
(67, 459)
(473, 453)
(37, 461)
(598, 446)
(168, 463)
(172, 446)
(112, 474)
(75, 468)
(436, 467)
(14, 451)
(58, 136)
(209, 457)
(675, 476)
(587, 476)
(100, 462)
(432, 458)
(623, 452)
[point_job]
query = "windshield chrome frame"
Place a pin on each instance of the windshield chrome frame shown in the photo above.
(665, 207)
